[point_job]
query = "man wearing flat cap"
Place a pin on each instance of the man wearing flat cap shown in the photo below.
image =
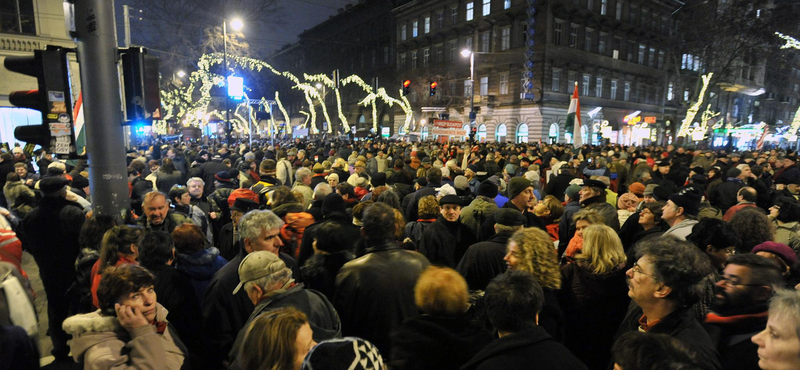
(270, 286)
(520, 193)
(445, 240)
(484, 261)
(51, 236)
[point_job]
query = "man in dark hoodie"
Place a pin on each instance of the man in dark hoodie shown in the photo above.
(445, 240)
(206, 171)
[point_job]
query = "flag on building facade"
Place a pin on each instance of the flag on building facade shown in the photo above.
(574, 118)
(760, 143)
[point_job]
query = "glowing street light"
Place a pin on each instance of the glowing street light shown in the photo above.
(181, 74)
(237, 24)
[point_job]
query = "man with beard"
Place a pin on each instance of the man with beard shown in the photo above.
(740, 308)
(445, 241)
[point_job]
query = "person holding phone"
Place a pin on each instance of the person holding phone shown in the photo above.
(130, 330)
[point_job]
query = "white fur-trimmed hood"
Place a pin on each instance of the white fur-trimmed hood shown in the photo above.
(90, 323)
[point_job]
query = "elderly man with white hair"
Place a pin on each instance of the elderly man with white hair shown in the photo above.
(269, 286)
(302, 184)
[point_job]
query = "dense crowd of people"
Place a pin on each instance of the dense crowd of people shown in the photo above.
(330, 254)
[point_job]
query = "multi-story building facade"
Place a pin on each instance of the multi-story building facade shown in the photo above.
(358, 40)
(25, 26)
(612, 49)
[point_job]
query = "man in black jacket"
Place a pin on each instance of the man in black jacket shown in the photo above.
(664, 282)
(446, 239)
(513, 301)
(484, 261)
(740, 308)
(375, 293)
(50, 234)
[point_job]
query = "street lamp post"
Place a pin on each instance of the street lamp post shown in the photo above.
(472, 116)
(237, 25)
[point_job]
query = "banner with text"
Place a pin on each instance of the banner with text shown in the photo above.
(448, 128)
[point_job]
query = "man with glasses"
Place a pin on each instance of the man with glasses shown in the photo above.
(665, 281)
(225, 312)
(740, 308)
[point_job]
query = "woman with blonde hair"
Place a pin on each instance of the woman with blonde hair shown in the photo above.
(443, 337)
(531, 250)
(276, 340)
(595, 295)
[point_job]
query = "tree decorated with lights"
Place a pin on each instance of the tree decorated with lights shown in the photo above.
(191, 105)
(791, 43)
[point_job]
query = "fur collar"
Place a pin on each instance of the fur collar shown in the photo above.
(91, 323)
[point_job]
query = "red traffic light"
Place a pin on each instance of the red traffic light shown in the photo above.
(406, 83)
(434, 84)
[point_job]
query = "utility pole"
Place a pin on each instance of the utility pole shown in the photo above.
(97, 55)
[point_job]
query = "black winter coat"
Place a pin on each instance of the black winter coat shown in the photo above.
(436, 343)
(593, 306)
(484, 261)
(558, 185)
(731, 336)
(319, 271)
(412, 210)
(176, 293)
(723, 196)
(139, 187)
(375, 293)
(681, 325)
(445, 242)
(530, 349)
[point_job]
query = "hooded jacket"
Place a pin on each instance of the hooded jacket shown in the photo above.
(99, 342)
(322, 317)
(682, 229)
(200, 267)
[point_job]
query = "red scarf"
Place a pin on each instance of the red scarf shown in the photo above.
(713, 318)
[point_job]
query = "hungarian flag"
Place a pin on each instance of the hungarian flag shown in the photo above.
(574, 118)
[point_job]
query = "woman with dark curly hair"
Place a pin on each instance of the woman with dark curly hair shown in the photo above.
(120, 247)
(753, 228)
(531, 250)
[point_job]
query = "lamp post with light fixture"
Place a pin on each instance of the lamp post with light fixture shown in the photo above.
(237, 25)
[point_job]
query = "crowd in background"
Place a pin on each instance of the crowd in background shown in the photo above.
(330, 254)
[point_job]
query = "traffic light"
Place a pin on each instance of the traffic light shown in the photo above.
(53, 99)
(406, 87)
(141, 80)
(433, 88)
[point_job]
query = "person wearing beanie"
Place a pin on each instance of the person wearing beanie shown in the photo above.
(445, 241)
(520, 194)
(481, 208)
(783, 256)
(680, 212)
(637, 188)
(723, 196)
